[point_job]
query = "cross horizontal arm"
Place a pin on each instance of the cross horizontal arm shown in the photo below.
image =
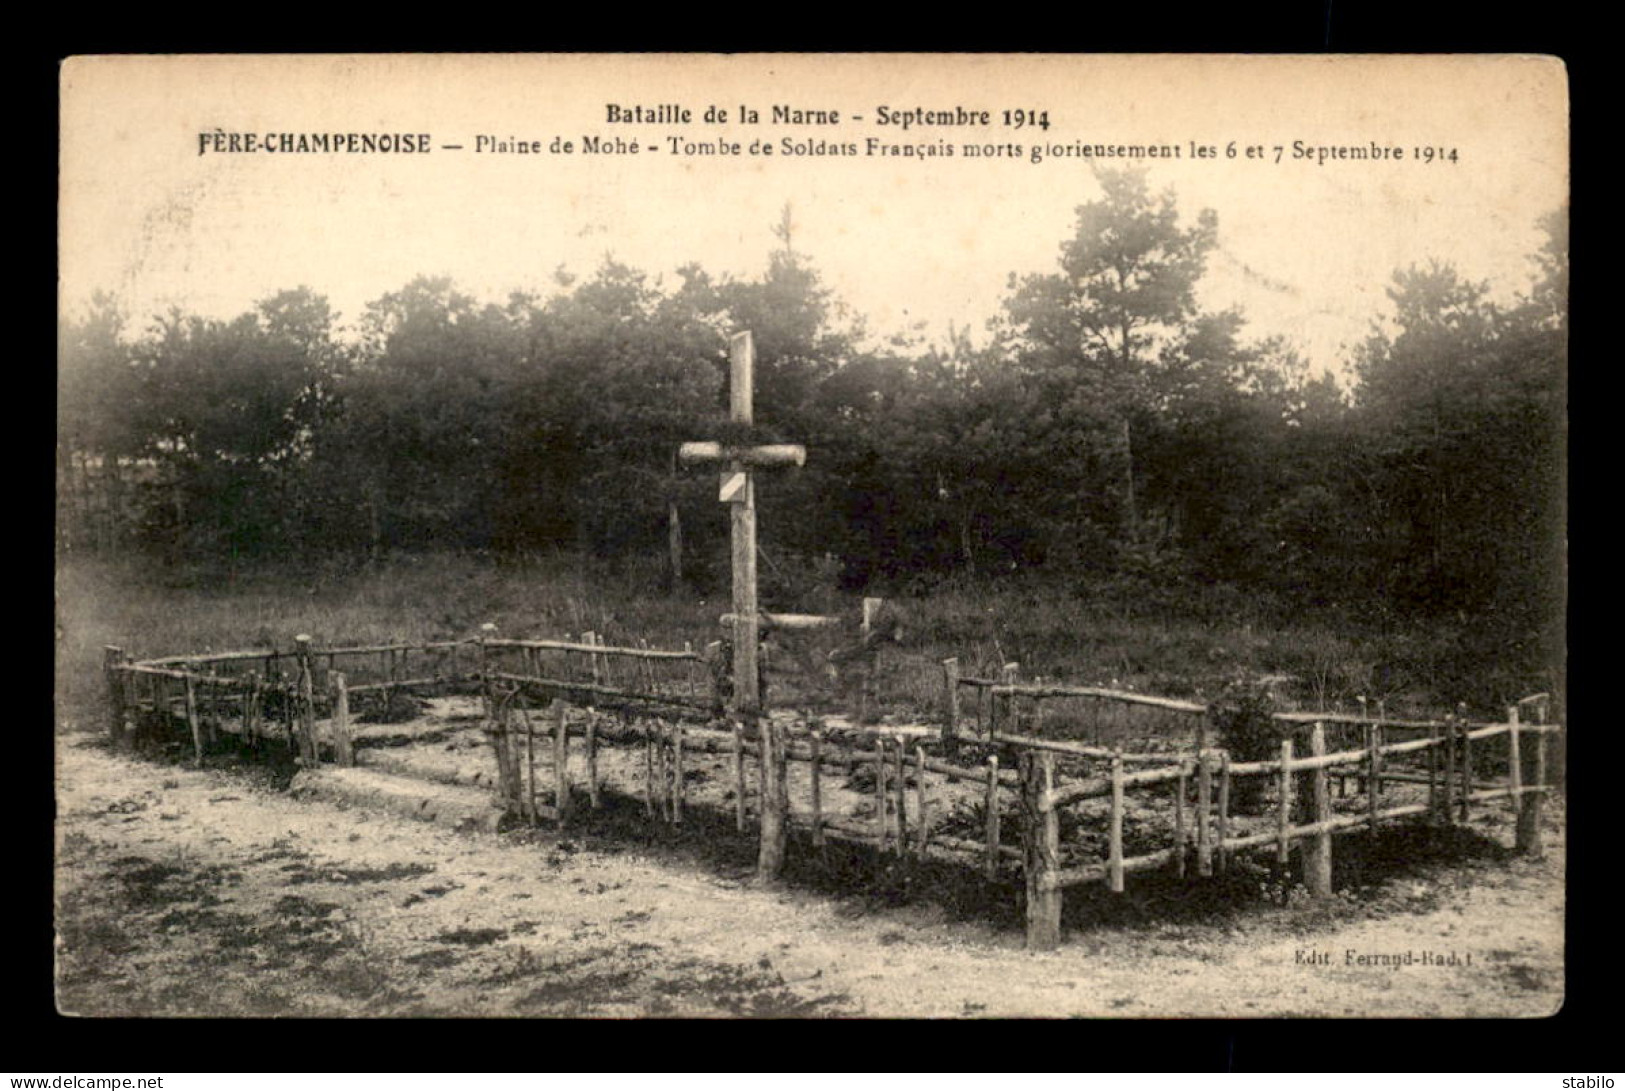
(772, 454)
(787, 621)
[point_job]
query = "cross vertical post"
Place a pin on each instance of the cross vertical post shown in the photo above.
(742, 378)
(739, 492)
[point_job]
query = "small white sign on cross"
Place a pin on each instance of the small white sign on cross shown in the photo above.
(733, 488)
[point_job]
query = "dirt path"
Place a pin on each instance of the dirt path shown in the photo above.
(209, 893)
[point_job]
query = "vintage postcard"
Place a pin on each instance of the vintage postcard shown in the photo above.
(857, 536)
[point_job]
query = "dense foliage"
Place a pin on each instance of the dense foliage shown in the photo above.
(1111, 430)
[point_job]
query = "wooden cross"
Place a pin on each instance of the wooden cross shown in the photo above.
(738, 491)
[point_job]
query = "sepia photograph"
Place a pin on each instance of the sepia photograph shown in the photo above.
(811, 536)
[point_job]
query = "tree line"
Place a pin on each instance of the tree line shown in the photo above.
(1110, 429)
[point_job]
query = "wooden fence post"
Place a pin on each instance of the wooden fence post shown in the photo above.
(1317, 850)
(739, 776)
(950, 724)
(770, 853)
(343, 747)
(1010, 675)
(1448, 814)
(679, 791)
(307, 703)
(991, 861)
(880, 793)
(901, 789)
(662, 767)
(1284, 817)
(1114, 850)
(1181, 789)
(561, 761)
(1224, 811)
(495, 731)
(112, 659)
(591, 638)
(251, 710)
(1433, 773)
(1041, 844)
(1373, 774)
(921, 817)
(869, 691)
(1514, 759)
(527, 780)
(590, 729)
(1204, 808)
(1529, 839)
(1466, 762)
(648, 772)
(713, 676)
(191, 719)
(817, 744)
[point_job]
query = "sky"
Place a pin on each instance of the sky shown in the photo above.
(1306, 248)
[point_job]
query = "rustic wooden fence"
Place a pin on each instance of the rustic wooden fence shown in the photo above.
(1383, 770)
(270, 694)
(984, 789)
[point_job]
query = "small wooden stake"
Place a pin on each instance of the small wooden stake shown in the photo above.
(343, 747)
(1317, 849)
(950, 725)
(1284, 817)
(990, 862)
(1114, 860)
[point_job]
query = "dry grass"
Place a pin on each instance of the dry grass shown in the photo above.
(1185, 644)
